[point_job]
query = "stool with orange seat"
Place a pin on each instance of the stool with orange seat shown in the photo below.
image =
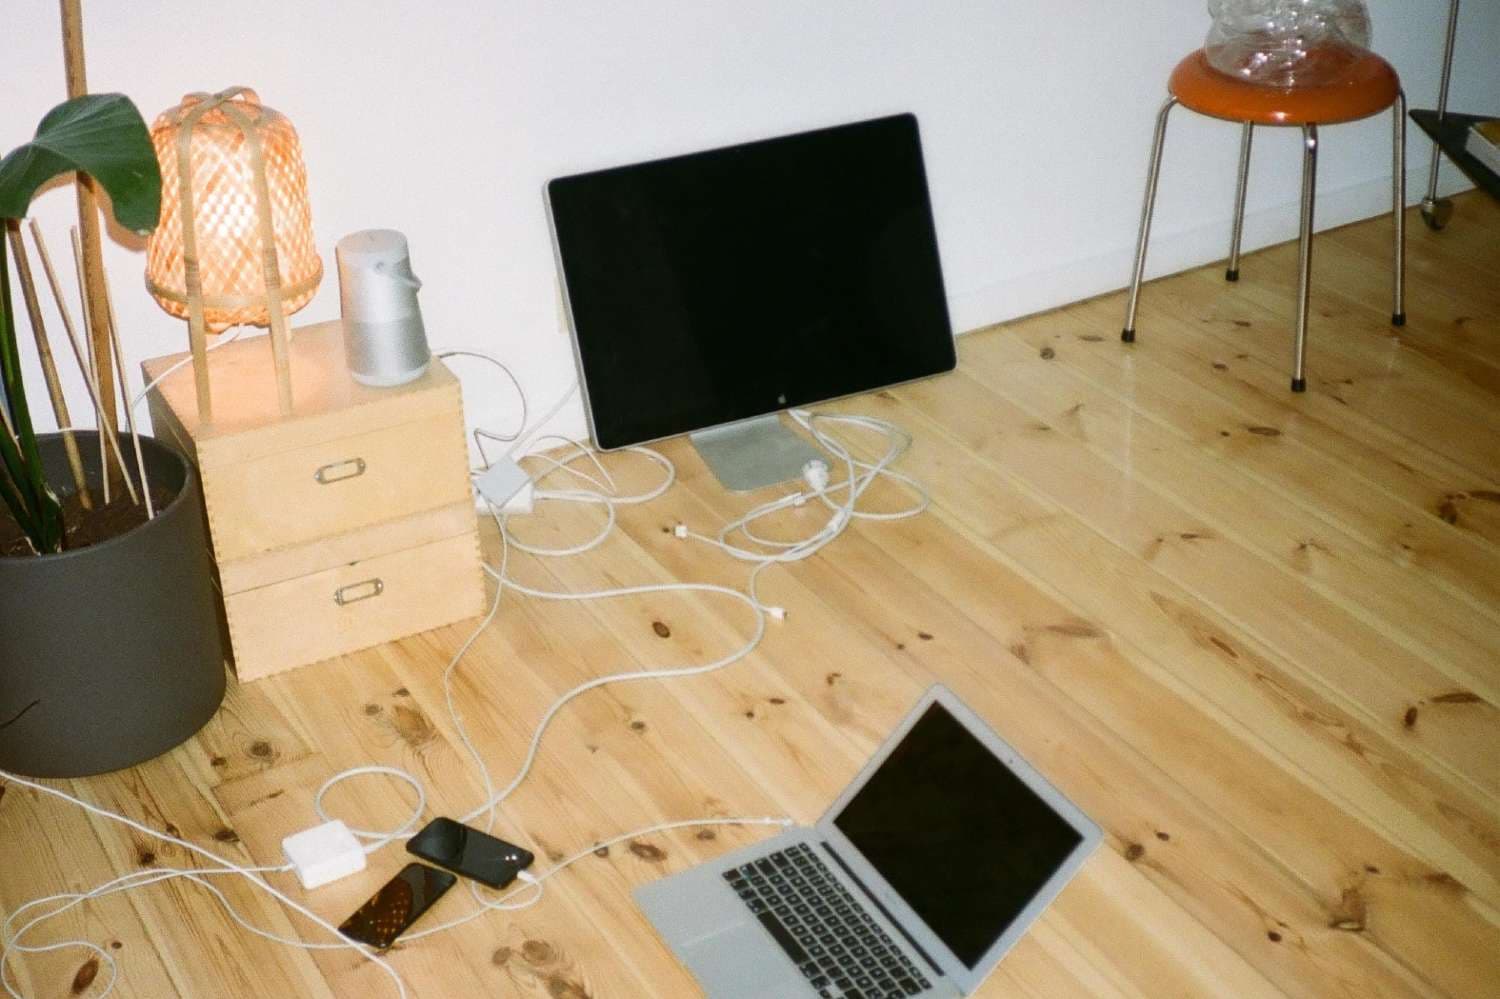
(1367, 86)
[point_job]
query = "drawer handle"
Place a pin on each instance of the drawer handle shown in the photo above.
(355, 592)
(338, 471)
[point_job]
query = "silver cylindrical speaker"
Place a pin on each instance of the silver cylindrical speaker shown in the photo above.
(384, 339)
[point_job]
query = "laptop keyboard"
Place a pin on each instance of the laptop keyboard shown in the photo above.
(823, 928)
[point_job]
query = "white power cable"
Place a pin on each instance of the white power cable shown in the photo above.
(171, 370)
(588, 851)
(11, 940)
(861, 475)
(544, 419)
(250, 874)
(223, 341)
(403, 831)
(609, 500)
(514, 381)
(480, 434)
(646, 674)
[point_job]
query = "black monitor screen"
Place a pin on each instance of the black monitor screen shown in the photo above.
(722, 285)
(964, 841)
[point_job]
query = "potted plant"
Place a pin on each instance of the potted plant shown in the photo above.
(110, 649)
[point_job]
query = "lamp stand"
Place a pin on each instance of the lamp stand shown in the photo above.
(197, 327)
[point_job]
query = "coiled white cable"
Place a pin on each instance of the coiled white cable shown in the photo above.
(608, 500)
(403, 831)
(860, 476)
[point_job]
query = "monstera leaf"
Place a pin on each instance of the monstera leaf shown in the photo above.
(102, 135)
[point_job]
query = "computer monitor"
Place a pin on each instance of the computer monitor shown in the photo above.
(708, 292)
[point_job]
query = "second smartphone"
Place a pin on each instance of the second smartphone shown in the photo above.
(397, 905)
(467, 851)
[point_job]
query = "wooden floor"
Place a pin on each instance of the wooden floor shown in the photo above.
(1255, 635)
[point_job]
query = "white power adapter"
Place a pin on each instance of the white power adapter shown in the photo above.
(506, 487)
(324, 853)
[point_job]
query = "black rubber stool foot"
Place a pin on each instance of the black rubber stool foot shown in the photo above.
(1128, 336)
(1232, 274)
(1398, 319)
(1299, 384)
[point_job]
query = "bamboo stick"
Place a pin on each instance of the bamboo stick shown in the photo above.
(93, 358)
(88, 221)
(49, 366)
(67, 319)
(119, 366)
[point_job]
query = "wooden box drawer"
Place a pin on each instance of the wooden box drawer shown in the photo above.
(354, 606)
(288, 498)
(347, 456)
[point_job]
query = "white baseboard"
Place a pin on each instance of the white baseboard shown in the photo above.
(1182, 249)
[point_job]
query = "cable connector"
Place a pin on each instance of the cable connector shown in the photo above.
(776, 613)
(815, 474)
(680, 530)
(528, 877)
(324, 853)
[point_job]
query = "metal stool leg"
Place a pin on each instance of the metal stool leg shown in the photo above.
(1398, 210)
(1233, 273)
(1304, 257)
(1153, 172)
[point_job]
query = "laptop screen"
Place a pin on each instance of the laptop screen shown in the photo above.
(965, 842)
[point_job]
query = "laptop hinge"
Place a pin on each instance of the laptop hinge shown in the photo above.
(884, 911)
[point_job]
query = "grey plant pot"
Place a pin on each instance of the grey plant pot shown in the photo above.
(110, 655)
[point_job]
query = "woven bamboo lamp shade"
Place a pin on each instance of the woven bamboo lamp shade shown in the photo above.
(234, 244)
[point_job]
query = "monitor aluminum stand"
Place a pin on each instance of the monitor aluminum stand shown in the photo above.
(760, 451)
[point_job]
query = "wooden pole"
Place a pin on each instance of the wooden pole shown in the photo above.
(89, 229)
(44, 356)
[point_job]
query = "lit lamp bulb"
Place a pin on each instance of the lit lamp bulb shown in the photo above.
(232, 170)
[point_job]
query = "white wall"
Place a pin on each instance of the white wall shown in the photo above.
(444, 120)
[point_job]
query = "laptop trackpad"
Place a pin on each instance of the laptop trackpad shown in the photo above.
(743, 962)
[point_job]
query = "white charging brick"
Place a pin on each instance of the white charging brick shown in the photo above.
(324, 853)
(506, 486)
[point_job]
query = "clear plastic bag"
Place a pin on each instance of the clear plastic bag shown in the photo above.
(1286, 43)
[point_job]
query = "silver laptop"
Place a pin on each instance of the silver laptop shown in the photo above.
(925, 871)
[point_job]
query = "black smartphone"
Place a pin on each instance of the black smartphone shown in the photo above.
(467, 851)
(397, 905)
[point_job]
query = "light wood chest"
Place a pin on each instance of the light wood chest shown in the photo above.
(344, 525)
